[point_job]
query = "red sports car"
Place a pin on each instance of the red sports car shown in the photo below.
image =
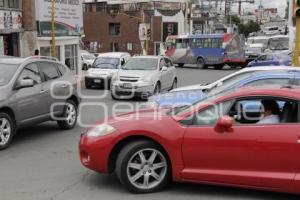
(220, 140)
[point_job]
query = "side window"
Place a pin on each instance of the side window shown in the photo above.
(168, 62)
(31, 71)
(62, 69)
(262, 58)
(273, 81)
(211, 115)
(269, 57)
(49, 71)
(162, 63)
(264, 111)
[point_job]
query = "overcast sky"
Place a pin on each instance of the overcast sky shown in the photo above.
(280, 4)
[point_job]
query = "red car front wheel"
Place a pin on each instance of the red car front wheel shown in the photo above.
(143, 167)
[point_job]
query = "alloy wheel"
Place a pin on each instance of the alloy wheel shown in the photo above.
(5, 131)
(147, 168)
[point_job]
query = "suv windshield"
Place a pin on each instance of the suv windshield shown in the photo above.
(6, 73)
(279, 44)
(106, 63)
(141, 64)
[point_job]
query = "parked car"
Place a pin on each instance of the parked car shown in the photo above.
(143, 76)
(35, 90)
(202, 144)
(87, 60)
(272, 60)
(191, 94)
(105, 66)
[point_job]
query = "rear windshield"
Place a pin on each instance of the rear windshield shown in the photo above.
(7, 71)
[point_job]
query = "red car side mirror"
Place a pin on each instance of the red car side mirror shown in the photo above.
(224, 124)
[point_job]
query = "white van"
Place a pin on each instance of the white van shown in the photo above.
(104, 67)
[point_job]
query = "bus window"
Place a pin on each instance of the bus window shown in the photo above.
(207, 43)
(197, 43)
(216, 43)
(182, 43)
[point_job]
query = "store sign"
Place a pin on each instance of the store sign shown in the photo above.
(144, 32)
(10, 21)
(68, 17)
(169, 28)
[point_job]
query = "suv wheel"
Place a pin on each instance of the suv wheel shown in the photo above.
(143, 167)
(174, 85)
(157, 89)
(7, 130)
(70, 114)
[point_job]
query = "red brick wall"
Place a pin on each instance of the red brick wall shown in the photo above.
(96, 28)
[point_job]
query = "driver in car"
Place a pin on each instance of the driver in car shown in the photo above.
(269, 112)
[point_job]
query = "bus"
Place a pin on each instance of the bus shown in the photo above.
(206, 50)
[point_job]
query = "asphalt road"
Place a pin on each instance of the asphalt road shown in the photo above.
(43, 163)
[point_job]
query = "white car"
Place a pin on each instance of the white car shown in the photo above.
(143, 76)
(105, 66)
(232, 76)
(87, 60)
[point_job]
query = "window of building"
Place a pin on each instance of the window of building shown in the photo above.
(129, 46)
(1, 3)
(46, 51)
(71, 59)
(114, 29)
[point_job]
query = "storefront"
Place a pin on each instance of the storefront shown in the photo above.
(10, 29)
(67, 50)
(68, 27)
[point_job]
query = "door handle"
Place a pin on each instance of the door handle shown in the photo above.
(64, 86)
(43, 91)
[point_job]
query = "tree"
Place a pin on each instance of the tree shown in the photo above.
(246, 28)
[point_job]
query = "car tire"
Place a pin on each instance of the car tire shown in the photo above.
(201, 63)
(180, 64)
(156, 172)
(70, 113)
(7, 130)
(174, 85)
(114, 97)
(157, 89)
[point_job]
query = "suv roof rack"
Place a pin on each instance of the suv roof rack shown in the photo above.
(41, 57)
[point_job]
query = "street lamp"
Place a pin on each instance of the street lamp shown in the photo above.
(53, 46)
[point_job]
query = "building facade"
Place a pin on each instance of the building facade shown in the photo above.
(11, 27)
(116, 26)
(68, 30)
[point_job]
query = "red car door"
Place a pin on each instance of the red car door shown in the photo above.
(250, 155)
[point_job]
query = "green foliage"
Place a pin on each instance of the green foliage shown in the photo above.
(246, 28)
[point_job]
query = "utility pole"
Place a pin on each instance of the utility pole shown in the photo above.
(53, 45)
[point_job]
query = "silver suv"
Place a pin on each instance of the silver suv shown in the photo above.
(35, 90)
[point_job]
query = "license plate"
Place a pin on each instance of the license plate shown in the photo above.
(97, 81)
(127, 85)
